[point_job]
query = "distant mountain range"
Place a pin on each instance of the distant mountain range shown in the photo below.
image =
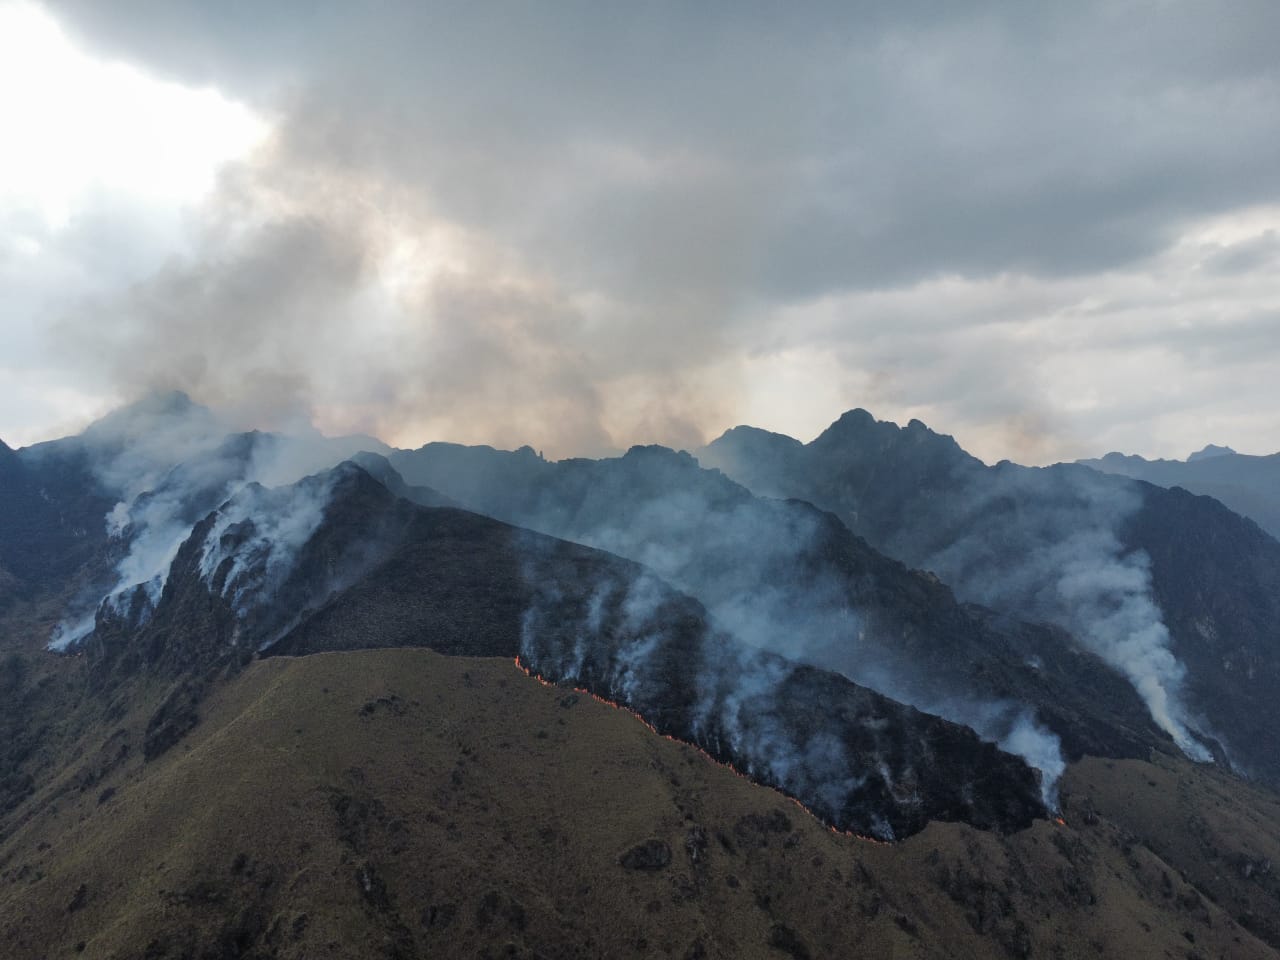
(1248, 485)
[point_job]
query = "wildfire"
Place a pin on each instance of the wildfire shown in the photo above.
(693, 746)
(1059, 821)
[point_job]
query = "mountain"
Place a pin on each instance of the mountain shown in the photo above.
(338, 562)
(11, 486)
(1248, 485)
(52, 525)
(107, 509)
(1175, 591)
(317, 707)
(1209, 451)
(784, 576)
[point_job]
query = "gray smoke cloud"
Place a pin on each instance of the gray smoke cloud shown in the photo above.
(315, 313)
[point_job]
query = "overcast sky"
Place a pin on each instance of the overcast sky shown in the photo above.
(1051, 230)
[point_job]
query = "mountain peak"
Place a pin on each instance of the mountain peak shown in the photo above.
(9, 460)
(1209, 452)
(858, 420)
(857, 417)
(745, 432)
(656, 451)
(858, 427)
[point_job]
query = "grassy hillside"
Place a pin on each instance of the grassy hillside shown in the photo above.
(403, 804)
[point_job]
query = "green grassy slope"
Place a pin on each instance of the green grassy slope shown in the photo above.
(403, 804)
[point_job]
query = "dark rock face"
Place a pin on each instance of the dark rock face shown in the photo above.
(52, 521)
(1015, 538)
(466, 584)
(649, 855)
(175, 718)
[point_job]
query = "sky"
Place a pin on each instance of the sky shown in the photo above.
(1051, 230)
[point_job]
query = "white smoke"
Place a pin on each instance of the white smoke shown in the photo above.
(1108, 596)
(171, 462)
(249, 549)
(71, 631)
(768, 600)
(764, 597)
(1028, 739)
(611, 641)
(1012, 726)
(568, 642)
(1057, 555)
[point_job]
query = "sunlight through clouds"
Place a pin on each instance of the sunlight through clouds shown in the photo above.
(73, 125)
(100, 166)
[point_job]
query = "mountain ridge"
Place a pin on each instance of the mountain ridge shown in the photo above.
(391, 803)
(463, 584)
(1023, 539)
(1247, 484)
(776, 569)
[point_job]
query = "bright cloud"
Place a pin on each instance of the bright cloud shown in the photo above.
(74, 125)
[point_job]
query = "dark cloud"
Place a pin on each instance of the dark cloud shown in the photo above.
(742, 149)
(641, 194)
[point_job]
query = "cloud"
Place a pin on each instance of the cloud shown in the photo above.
(849, 147)
(1149, 357)
(644, 210)
(316, 296)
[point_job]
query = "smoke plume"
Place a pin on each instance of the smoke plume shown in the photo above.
(1046, 543)
(171, 462)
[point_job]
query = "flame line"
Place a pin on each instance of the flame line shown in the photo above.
(693, 746)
